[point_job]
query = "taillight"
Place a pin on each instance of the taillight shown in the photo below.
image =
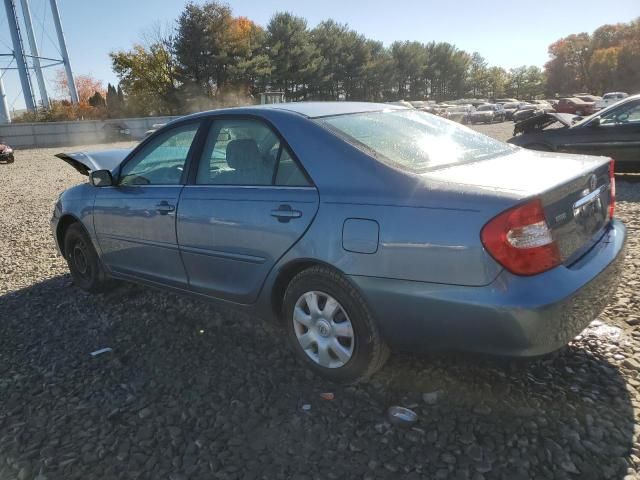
(612, 188)
(521, 241)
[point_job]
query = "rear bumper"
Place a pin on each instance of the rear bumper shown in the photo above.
(513, 316)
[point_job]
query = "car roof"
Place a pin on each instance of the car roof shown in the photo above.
(307, 109)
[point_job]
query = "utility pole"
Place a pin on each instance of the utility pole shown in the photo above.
(35, 54)
(63, 51)
(18, 53)
(5, 116)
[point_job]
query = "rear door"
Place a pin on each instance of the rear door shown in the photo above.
(247, 202)
(135, 219)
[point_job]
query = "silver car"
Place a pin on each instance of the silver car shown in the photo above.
(358, 228)
(488, 113)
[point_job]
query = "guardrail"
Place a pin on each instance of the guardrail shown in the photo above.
(59, 134)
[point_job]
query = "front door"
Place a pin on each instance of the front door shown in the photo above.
(248, 203)
(135, 220)
(616, 136)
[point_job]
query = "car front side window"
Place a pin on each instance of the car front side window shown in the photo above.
(162, 160)
(626, 114)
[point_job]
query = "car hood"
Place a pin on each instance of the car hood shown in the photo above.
(542, 121)
(85, 162)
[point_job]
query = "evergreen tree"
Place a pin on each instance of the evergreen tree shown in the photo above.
(96, 100)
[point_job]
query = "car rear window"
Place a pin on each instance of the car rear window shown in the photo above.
(413, 140)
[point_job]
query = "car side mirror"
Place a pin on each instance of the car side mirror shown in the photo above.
(101, 178)
(595, 122)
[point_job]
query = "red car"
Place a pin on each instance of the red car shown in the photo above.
(575, 106)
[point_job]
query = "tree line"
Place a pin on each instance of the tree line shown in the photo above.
(607, 60)
(210, 58)
(214, 58)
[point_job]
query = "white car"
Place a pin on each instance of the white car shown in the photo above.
(609, 99)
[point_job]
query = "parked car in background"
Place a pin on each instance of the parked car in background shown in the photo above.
(542, 105)
(505, 100)
(574, 106)
(527, 111)
(588, 98)
(510, 108)
(610, 98)
(442, 109)
(614, 132)
(461, 113)
(418, 104)
(337, 221)
(535, 107)
(6, 153)
(488, 113)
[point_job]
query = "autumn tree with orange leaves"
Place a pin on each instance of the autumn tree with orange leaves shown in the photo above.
(607, 60)
(86, 85)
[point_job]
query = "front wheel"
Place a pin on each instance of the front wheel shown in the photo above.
(83, 261)
(330, 327)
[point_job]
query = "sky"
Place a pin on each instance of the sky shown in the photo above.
(504, 33)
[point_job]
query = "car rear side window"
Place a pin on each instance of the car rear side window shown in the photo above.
(413, 140)
(289, 173)
(161, 161)
(246, 152)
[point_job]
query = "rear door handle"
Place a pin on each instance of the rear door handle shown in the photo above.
(285, 213)
(163, 208)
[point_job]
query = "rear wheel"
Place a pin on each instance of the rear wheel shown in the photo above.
(83, 261)
(330, 327)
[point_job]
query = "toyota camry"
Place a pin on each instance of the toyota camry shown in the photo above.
(360, 228)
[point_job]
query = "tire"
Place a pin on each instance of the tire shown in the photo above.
(83, 261)
(368, 351)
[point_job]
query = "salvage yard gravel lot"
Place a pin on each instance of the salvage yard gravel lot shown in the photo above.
(195, 391)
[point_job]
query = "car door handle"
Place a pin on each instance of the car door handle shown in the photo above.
(284, 213)
(163, 208)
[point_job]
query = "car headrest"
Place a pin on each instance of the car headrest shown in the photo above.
(243, 154)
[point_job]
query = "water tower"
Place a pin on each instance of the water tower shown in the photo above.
(29, 60)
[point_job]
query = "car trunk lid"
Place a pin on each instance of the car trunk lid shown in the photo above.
(575, 191)
(542, 121)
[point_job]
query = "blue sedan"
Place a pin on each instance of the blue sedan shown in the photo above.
(360, 228)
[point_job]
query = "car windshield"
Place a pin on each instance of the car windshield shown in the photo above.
(413, 140)
(485, 108)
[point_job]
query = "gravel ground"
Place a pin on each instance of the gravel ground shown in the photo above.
(194, 391)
